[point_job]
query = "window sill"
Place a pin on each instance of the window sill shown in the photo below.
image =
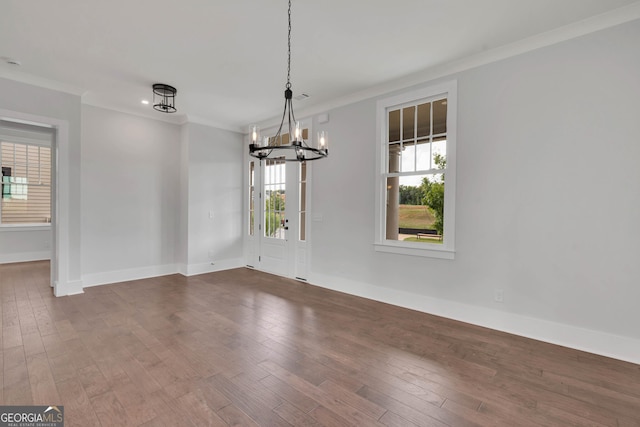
(428, 252)
(25, 227)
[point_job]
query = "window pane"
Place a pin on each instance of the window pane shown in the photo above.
(408, 123)
(439, 153)
(408, 157)
(423, 155)
(394, 154)
(26, 189)
(394, 125)
(415, 208)
(424, 119)
(440, 116)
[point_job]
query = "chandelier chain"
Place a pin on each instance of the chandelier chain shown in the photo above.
(277, 147)
(289, 51)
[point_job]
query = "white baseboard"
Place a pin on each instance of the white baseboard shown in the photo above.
(182, 269)
(117, 276)
(96, 279)
(73, 287)
(208, 267)
(614, 346)
(25, 257)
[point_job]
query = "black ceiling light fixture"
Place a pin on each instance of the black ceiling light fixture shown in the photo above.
(164, 98)
(291, 146)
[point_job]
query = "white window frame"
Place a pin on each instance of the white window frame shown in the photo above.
(446, 249)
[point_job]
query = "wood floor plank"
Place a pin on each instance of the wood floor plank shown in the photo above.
(77, 406)
(11, 337)
(199, 411)
(391, 419)
(289, 394)
(410, 413)
(109, 410)
(247, 403)
(295, 416)
(15, 367)
(352, 399)
(138, 405)
(234, 417)
(330, 402)
(43, 386)
(93, 381)
(241, 347)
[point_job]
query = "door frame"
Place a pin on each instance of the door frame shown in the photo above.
(60, 204)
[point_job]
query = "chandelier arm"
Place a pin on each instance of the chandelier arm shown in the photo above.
(284, 114)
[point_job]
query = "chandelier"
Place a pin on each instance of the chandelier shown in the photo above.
(290, 146)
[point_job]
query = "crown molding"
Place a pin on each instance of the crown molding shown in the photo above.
(577, 29)
(176, 119)
(42, 82)
(212, 123)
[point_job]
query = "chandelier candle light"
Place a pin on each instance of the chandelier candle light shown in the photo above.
(291, 146)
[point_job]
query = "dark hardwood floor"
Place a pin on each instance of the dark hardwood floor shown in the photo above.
(244, 348)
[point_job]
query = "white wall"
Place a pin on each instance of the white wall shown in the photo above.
(183, 217)
(548, 200)
(215, 191)
(20, 244)
(63, 109)
(130, 196)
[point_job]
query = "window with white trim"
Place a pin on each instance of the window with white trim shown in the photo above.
(26, 183)
(416, 160)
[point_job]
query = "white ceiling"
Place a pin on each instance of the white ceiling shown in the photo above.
(228, 59)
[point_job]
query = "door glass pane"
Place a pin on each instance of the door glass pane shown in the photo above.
(303, 201)
(252, 197)
(274, 194)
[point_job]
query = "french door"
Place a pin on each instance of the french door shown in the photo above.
(277, 229)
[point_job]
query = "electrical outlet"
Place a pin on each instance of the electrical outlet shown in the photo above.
(498, 295)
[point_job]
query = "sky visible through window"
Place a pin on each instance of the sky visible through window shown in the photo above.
(408, 158)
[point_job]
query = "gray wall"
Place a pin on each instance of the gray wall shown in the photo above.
(26, 99)
(547, 202)
(148, 188)
(130, 195)
(214, 199)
